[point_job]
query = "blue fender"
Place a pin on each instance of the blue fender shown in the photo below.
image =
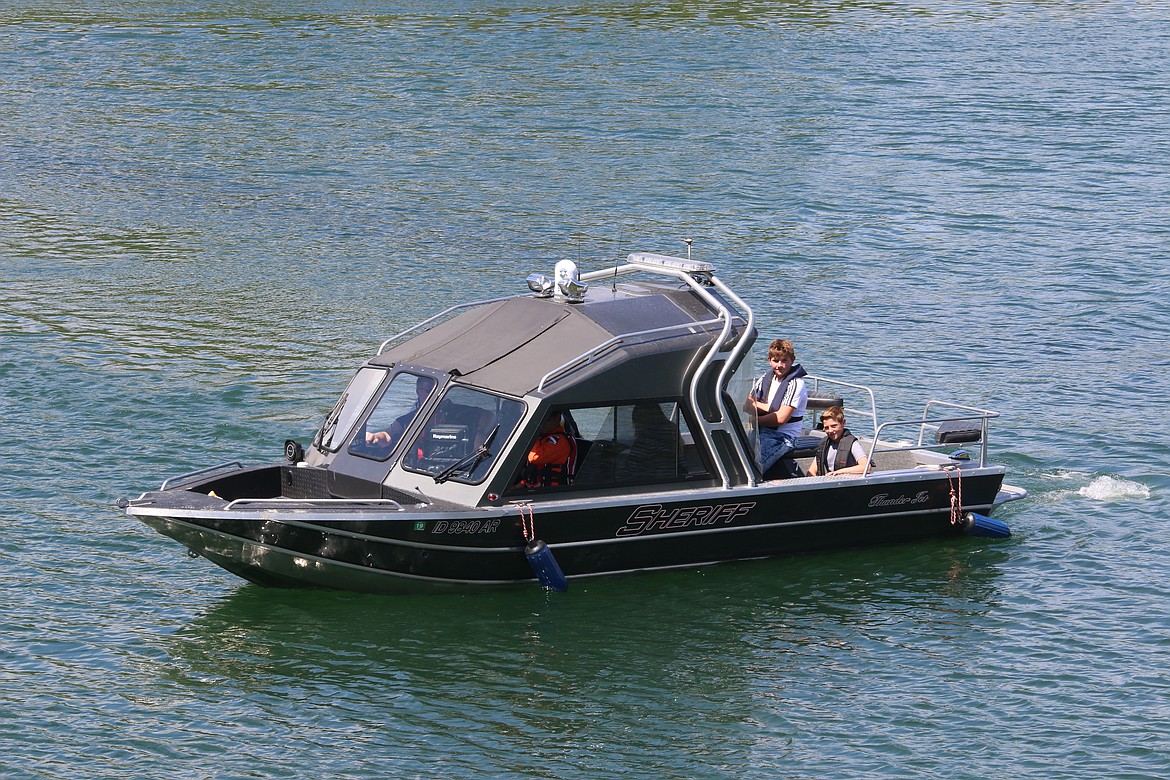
(545, 566)
(982, 525)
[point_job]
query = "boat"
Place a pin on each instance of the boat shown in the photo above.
(418, 479)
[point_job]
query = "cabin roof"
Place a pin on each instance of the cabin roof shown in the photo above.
(510, 345)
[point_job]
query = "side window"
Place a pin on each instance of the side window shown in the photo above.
(635, 444)
(656, 446)
(389, 420)
(602, 445)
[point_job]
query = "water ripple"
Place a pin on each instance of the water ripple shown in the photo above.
(212, 214)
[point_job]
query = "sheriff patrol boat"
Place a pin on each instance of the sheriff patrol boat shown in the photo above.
(418, 478)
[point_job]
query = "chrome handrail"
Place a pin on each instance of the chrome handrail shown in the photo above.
(315, 502)
(732, 359)
(984, 414)
(197, 472)
(726, 317)
(871, 414)
(981, 415)
(445, 312)
(589, 355)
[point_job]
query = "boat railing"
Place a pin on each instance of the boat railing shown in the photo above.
(592, 354)
(731, 360)
(982, 416)
(927, 424)
(382, 347)
(199, 472)
(326, 502)
(869, 413)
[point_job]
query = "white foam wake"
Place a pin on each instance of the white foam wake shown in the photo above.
(1114, 489)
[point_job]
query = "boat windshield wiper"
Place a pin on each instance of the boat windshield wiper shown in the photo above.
(324, 438)
(469, 463)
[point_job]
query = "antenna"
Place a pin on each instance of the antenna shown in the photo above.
(621, 240)
(688, 242)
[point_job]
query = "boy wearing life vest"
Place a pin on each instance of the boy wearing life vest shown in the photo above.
(839, 452)
(778, 401)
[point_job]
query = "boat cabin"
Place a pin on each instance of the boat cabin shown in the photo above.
(633, 371)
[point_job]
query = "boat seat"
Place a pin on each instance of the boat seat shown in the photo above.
(958, 432)
(597, 462)
(582, 446)
(806, 446)
(580, 450)
(785, 468)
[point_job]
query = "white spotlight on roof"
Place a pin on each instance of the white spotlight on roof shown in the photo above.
(541, 285)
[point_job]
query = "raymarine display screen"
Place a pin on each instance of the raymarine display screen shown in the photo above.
(448, 442)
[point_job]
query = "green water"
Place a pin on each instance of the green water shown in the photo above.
(210, 214)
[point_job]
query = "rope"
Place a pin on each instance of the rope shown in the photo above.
(527, 522)
(955, 481)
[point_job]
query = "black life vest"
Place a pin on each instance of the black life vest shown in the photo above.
(760, 389)
(844, 457)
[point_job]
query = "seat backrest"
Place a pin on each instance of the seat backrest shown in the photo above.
(574, 459)
(818, 403)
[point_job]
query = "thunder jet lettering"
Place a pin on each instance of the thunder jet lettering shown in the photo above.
(883, 499)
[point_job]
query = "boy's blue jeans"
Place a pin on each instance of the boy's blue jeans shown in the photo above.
(774, 446)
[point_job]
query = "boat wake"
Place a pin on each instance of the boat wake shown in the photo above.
(1102, 488)
(1114, 489)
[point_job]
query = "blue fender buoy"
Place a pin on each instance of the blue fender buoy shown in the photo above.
(545, 566)
(982, 525)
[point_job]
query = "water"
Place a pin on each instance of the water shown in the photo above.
(210, 213)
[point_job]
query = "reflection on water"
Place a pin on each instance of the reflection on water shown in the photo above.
(838, 591)
(691, 651)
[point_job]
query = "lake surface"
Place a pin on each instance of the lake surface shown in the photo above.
(211, 213)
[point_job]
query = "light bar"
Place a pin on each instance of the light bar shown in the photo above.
(667, 261)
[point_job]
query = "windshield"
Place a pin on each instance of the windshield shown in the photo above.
(389, 420)
(463, 436)
(345, 412)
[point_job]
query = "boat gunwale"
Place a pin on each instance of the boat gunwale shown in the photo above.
(394, 542)
(614, 497)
